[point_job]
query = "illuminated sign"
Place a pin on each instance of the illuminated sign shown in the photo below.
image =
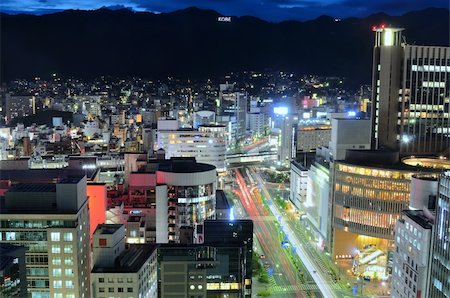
(280, 110)
(224, 19)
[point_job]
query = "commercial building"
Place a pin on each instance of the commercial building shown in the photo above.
(286, 125)
(19, 106)
(185, 197)
(233, 103)
(13, 273)
(312, 136)
(119, 271)
(208, 144)
(52, 222)
(370, 190)
(410, 94)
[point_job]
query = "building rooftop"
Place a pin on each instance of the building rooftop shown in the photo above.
(420, 218)
(184, 165)
(107, 229)
(31, 187)
(130, 261)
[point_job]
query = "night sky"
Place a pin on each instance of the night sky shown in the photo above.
(272, 10)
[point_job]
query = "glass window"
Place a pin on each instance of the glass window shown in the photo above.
(57, 295)
(68, 236)
(55, 236)
(57, 284)
(68, 261)
(56, 261)
(68, 272)
(68, 249)
(10, 236)
(70, 295)
(69, 284)
(57, 272)
(110, 290)
(56, 249)
(101, 290)
(101, 279)
(130, 290)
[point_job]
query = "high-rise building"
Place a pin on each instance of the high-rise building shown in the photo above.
(410, 94)
(52, 222)
(440, 271)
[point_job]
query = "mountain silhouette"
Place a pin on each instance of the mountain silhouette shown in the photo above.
(193, 43)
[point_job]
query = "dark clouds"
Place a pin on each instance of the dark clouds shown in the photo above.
(273, 10)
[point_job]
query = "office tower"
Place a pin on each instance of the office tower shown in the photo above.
(286, 125)
(208, 144)
(119, 271)
(201, 270)
(52, 222)
(232, 233)
(13, 273)
(440, 271)
(233, 103)
(410, 94)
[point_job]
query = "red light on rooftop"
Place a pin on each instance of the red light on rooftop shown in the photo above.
(382, 26)
(374, 28)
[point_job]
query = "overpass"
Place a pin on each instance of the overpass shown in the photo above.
(251, 157)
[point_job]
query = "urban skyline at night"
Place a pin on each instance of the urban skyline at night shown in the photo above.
(152, 149)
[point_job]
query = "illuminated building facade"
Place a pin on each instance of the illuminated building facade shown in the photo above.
(185, 197)
(370, 190)
(411, 94)
(310, 137)
(208, 144)
(55, 232)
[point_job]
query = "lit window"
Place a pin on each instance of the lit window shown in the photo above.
(57, 272)
(10, 235)
(68, 236)
(68, 272)
(55, 236)
(70, 295)
(56, 261)
(56, 249)
(68, 261)
(58, 295)
(68, 249)
(57, 284)
(69, 284)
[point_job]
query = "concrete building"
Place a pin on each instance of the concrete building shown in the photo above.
(349, 133)
(208, 144)
(410, 270)
(119, 271)
(203, 118)
(286, 125)
(56, 222)
(440, 255)
(312, 136)
(410, 94)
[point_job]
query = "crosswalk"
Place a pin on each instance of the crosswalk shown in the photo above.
(300, 287)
